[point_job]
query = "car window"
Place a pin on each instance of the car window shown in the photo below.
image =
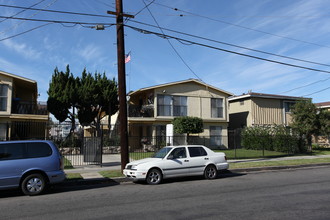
(38, 150)
(197, 151)
(179, 153)
(11, 151)
(162, 152)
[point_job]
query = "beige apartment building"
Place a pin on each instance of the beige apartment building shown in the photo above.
(152, 109)
(260, 109)
(21, 117)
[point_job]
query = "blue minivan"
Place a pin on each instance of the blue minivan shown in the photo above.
(30, 165)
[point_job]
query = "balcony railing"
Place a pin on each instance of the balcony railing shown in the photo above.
(30, 108)
(141, 111)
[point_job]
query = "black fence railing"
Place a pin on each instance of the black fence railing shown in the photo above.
(25, 107)
(79, 148)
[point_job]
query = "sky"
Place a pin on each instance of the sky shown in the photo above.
(219, 32)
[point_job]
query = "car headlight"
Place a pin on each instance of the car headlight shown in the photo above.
(134, 167)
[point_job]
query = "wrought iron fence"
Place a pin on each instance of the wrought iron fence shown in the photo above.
(79, 148)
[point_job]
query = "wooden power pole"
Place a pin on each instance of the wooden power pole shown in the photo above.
(122, 83)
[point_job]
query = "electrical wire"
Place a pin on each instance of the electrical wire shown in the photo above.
(58, 21)
(23, 10)
(40, 26)
(18, 24)
(317, 91)
(224, 50)
(244, 27)
(195, 36)
(175, 50)
(57, 11)
(234, 45)
(322, 80)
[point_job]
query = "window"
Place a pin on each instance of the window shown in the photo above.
(3, 97)
(24, 150)
(179, 153)
(12, 151)
(171, 105)
(216, 108)
(215, 136)
(38, 150)
(197, 151)
(288, 106)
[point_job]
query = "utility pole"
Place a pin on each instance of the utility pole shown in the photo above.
(122, 83)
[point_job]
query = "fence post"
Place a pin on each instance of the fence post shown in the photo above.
(235, 146)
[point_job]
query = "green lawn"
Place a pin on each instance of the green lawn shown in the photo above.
(247, 154)
(71, 176)
(67, 164)
(111, 173)
(243, 153)
(278, 163)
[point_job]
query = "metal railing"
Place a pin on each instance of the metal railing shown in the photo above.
(25, 107)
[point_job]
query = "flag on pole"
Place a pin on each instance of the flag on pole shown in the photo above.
(128, 57)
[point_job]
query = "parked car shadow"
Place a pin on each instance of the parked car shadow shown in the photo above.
(221, 175)
(67, 186)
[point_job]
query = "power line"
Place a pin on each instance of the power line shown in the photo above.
(317, 91)
(244, 27)
(59, 21)
(57, 11)
(40, 26)
(322, 80)
(224, 50)
(175, 50)
(195, 36)
(29, 17)
(233, 45)
(23, 10)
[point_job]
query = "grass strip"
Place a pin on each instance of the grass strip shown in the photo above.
(111, 173)
(278, 163)
(71, 176)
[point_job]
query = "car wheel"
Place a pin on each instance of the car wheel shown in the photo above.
(33, 184)
(154, 176)
(210, 172)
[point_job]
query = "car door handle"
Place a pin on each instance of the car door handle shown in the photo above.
(206, 158)
(186, 160)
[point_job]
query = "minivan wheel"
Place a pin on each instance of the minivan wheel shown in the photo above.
(210, 172)
(33, 184)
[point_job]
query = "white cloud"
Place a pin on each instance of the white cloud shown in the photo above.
(22, 49)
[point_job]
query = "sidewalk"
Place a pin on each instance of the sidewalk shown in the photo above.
(91, 172)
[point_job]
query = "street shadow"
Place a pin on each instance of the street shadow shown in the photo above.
(221, 175)
(66, 186)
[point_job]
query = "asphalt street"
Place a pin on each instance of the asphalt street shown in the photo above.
(283, 194)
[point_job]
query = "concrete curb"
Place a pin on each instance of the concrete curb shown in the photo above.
(118, 180)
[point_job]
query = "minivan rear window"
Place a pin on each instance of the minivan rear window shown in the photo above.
(14, 151)
(38, 150)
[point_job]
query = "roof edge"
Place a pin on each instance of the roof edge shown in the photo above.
(180, 82)
(17, 77)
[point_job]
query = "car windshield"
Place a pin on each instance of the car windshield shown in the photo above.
(162, 152)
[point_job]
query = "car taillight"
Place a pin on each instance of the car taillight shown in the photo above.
(225, 158)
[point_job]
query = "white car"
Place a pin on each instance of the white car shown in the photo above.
(175, 161)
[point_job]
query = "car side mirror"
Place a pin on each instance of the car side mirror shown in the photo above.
(170, 157)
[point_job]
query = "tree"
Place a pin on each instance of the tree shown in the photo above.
(324, 122)
(93, 96)
(305, 120)
(187, 125)
(62, 96)
(98, 97)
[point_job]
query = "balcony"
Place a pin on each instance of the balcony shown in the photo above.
(141, 111)
(29, 108)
